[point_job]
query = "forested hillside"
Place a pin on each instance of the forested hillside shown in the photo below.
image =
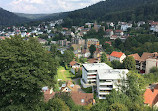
(32, 16)
(115, 10)
(9, 18)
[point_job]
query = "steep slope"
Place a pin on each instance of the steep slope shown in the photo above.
(115, 10)
(9, 18)
(31, 16)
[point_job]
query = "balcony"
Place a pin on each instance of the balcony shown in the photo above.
(91, 73)
(103, 93)
(91, 80)
(105, 88)
(105, 83)
(89, 77)
(102, 97)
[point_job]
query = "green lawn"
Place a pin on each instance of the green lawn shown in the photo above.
(64, 74)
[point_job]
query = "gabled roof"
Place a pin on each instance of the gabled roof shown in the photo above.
(116, 54)
(151, 96)
(147, 55)
(135, 56)
(82, 98)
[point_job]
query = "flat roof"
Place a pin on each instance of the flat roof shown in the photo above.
(96, 66)
(112, 74)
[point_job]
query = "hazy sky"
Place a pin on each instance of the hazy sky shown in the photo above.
(44, 6)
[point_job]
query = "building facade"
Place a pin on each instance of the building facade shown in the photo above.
(108, 80)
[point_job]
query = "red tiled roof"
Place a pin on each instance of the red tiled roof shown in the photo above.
(135, 56)
(108, 42)
(48, 96)
(154, 23)
(151, 96)
(109, 30)
(118, 31)
(72, 63)
(77, 97)
(147, 55)
(116, 54)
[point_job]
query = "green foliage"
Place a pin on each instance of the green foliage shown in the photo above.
(57, 104)
(116, 64)
(103, 57)
(114, 10)
(68, 56)
(118, 107)
(151, 78)
(101, 106)
(9, 18)
(92, 49)
(68, 100)
(83, 60)
(129, 63)
(153, 70)
(25, 67)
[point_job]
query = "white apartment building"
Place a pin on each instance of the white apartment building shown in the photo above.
(102, 76)
(89, 73)
(109, 79)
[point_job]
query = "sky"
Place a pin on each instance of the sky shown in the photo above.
(44, 6)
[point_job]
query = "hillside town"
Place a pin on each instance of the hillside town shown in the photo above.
(93, 72)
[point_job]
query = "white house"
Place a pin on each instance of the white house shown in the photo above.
(109, 79)
(89, 73)
(117, 56)
(154, 26)
(125, 26)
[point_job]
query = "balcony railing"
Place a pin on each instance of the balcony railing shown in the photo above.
(105, 83)
(105, 88)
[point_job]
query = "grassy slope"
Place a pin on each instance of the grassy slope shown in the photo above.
(64, 74)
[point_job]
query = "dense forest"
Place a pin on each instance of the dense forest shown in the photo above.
(115, 10)
(109, 10)
(9, 18)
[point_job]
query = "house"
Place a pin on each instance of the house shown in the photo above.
(151, 96)
(76, 70)
(85, 53)
(78, 40)
(154, 26)
(42, 41)
(64, 42)
(74, 64)
(69, 87)
(109, 32)
(108, 42)
(2, 38)
(125, 26)
(119, 32)
(82, 98)
(97, 53)
(140, 23)
(109, 79)
(146, 62)
(137, 58)
(93, 60)
(92, 41)
(96, 27)
(48, 93)
(117, 56)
